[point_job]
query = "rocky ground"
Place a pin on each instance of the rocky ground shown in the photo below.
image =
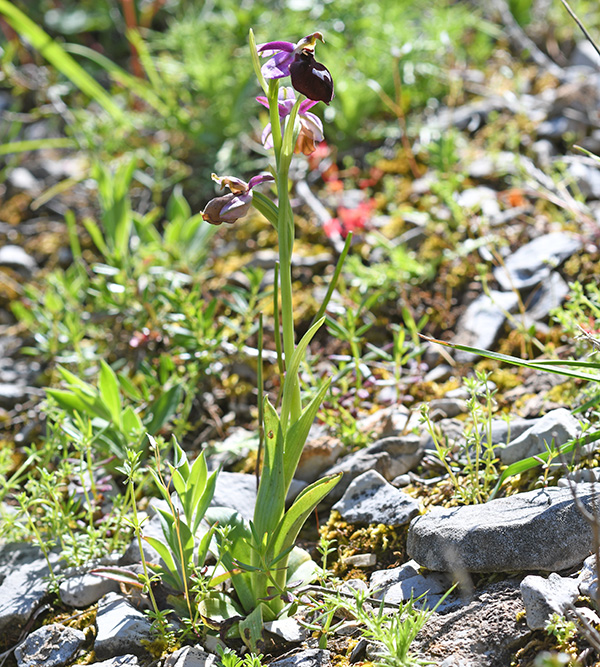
(401, 530)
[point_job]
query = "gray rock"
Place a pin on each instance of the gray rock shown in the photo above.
(480, 198)
(555, 428)
(24, 571)
(544, 151)
(22, 179)
(588, 579)
(447, 407)
(361, 560)
(50, 646)
(549, 295)
(429, 587)
(587, 178)
(311, 657)
(439, 373)
(532, 263)
(537, 530)
(191, 656)
(371, 499)
(319, 453)
(287, 629)
(390, 457)
(237, 491)
(556, 127)
(14, 257)
(584, 55)
(502, 430)
(11, 395)
(121, 661)
(480, 324)
(385, 422)
(381, 580)
(483, 633)
(82, 590)
(544, 597)
(121, 628)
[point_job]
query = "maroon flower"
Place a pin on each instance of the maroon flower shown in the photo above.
(231, 207)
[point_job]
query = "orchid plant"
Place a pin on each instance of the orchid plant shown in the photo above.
(261, 554)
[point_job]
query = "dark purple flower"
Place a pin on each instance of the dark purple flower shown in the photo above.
(311, 127)
(231, 207)
(309, 77)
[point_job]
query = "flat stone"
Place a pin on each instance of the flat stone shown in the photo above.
(381, 580)
(481, 323)
(448, 407)
(24, 571)
(371, 499)
(121, 661)
(237, 491)
(587, 178)
(311, 657)
(548, 296)
(361, 560)
(480, 198)
(318, 454)
(14, 257)
(537, 530)
(429, 587)
(532, 263)
(85, 589)
(390, 457)
(504, 432)
(385, 422)
(121, 628)
(50, 646)
(191, 656)
(588, 579)
(287, 629)
(544, 597)
(584, 55)
(483, 633)
(11, 395)
(554, 429)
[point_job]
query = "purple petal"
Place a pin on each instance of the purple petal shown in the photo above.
(258, 179)
(286, 107)
(236, 208)
(275, 46)
(305, 106)
(278, 66)
(263, 100)
(267, 137)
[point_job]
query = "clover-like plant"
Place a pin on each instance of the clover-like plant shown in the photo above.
(261, 554)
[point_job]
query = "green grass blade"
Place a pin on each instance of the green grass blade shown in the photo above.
(36, 145)
(58, 57)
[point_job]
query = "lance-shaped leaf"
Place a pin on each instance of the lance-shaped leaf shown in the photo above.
(270, 501)
(296, 516)
(291, 375)
(297, 434)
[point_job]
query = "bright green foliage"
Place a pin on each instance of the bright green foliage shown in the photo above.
(188, 494)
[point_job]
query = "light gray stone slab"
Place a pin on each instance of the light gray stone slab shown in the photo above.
(82, 590)
(237, 491)
(544, 597)
(555, 428)
(371, 499)
(533, 262)
(287, 629)
(390, 457)
(121, 628)
(311, 657)
(49, 646)
(24, 573)
(191, 656)
(481, 323)
(121, 661)
(537, 530)
(381, 580)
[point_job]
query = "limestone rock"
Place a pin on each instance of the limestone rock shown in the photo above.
(370, 499)
(390, 457)
(537, 530)
(84, 589)
(121, 628)
(555, 428)
(544, 597)
(50, 646)
(532, 263)
(311, 657)
(191, 656)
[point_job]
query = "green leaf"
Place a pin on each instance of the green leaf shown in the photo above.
(296, 516)
(68, 400)
(109, 392)
(266, 207)
(291, 375)
(270, 500)
(164, 408)
(132, 424)
(297, 434)
(217, 609)
(94, 231)
(163, 551)
(251, 630)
